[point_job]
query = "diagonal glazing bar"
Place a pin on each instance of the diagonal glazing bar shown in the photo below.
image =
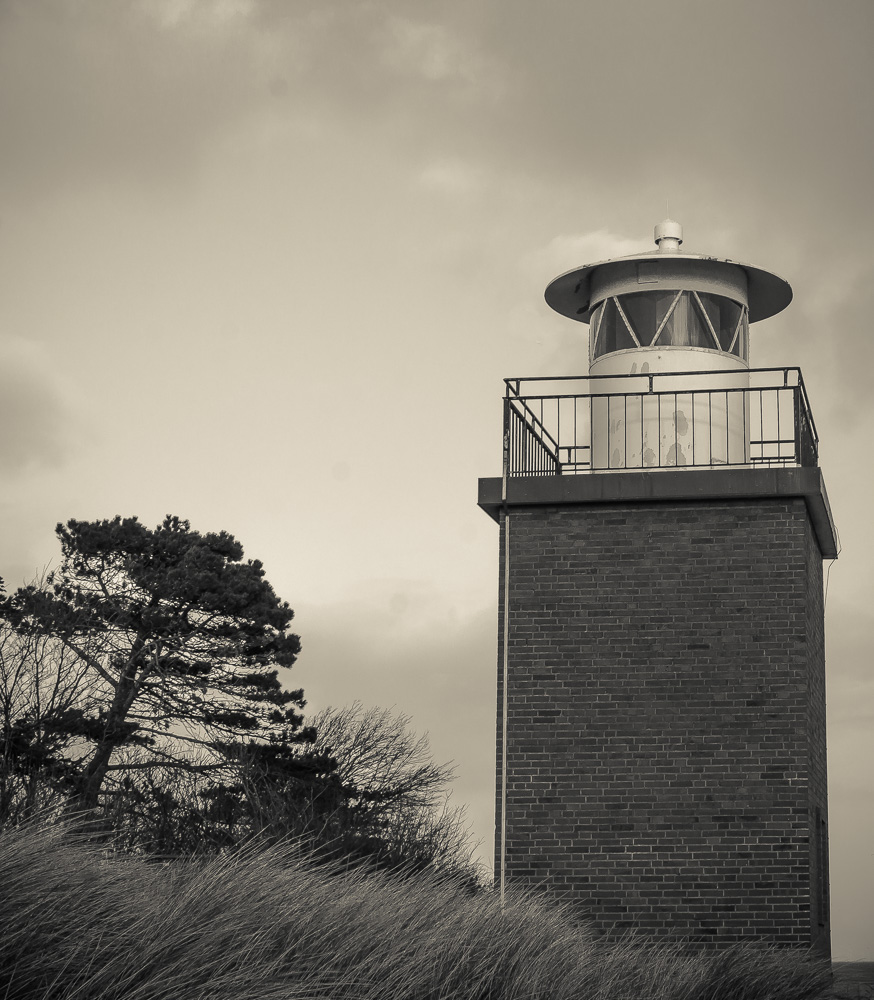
(625, 320)
(737, 329)
(707, 320)
(667, 316)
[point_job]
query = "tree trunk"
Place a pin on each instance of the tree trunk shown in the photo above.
(95, 772)
(125, 694)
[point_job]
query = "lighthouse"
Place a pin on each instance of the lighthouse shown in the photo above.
(661, 756)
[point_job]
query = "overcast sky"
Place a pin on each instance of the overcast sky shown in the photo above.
(264, 264)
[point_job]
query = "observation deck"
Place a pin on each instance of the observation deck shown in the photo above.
(660, 436)
(657, 420)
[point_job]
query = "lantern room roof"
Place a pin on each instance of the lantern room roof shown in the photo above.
(569, 293)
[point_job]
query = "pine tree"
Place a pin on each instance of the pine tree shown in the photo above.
(182, 639)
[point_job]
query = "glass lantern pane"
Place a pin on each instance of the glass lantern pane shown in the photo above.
(614, 335)
(685, 326)
(707, 313)
(729, 314)
(664, 302)
(595, 328)
(640, 308)
(741, 344)
(711, 306)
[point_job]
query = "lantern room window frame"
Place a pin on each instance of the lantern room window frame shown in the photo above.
(621, 333)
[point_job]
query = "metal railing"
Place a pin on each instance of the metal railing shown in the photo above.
(758, 417)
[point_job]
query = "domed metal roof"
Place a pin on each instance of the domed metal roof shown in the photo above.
(569, 293)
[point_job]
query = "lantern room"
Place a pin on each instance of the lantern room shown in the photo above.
(683, 321)
(663, 308)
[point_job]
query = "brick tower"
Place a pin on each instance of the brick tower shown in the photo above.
(661, 758)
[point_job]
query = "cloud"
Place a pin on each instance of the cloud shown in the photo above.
(90, 91)
(402, 644)
(435, 53)
(450, 177)
(570, 250)
(170, 13)
(34, 415)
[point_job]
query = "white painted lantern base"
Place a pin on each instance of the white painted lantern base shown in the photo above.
(700, 419)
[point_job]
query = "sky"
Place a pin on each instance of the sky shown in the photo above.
(265, 263)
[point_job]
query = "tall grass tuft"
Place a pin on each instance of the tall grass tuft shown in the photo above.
(81, 924)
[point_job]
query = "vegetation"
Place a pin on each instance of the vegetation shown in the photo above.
(178, 641)
(140, 682)
(242, 853)
(383, 803)
(79, 924)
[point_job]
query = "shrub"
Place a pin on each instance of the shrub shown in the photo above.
(264, 923)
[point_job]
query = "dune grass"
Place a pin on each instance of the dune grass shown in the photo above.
(80, 924)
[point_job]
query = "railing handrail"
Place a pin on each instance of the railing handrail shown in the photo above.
(629, 375)
(658, 392)
(807, 410)
(535, 419)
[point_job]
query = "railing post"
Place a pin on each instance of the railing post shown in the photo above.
(505, 465)
(799, 456)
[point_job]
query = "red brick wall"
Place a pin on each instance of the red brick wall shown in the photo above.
(666, 733)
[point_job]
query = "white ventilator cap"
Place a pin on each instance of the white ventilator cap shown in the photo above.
(668, 235)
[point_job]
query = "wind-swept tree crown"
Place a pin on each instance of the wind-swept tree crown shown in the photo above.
(184, 635)
(127, 575)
